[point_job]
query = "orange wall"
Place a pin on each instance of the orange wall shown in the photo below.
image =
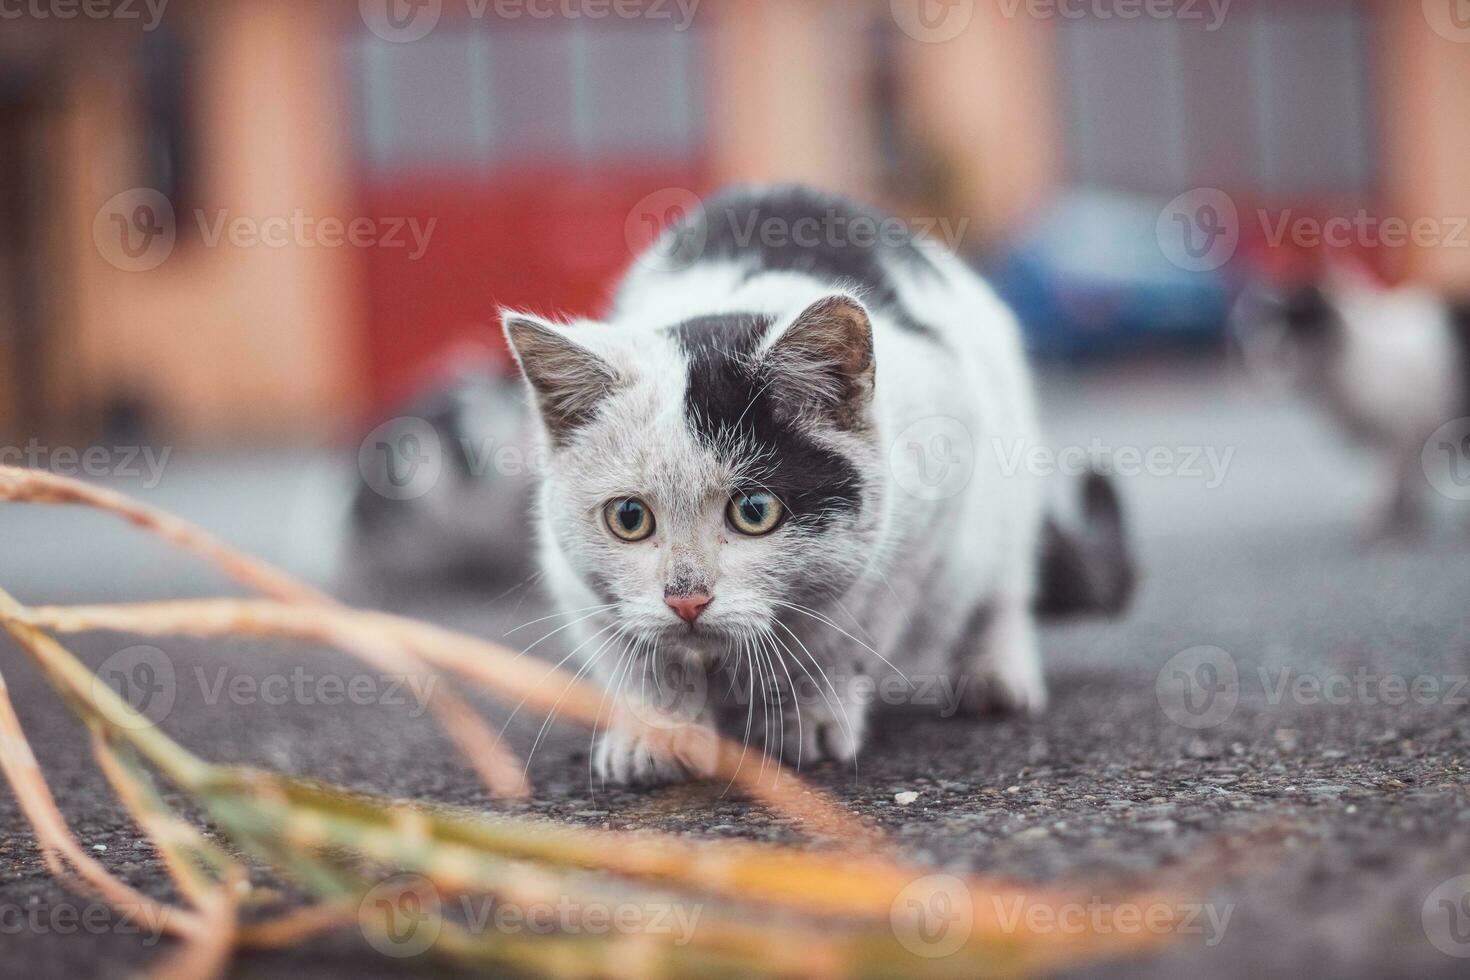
(790, 82)
(787, 93)
(246, 342)
(988, 101)
(1425, 103)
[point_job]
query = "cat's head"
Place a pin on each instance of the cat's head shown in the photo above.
(1295, 331)
(1289, 335)
(701, 474)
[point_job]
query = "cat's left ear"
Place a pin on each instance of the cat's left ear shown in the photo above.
(823, 362)
(569, 380)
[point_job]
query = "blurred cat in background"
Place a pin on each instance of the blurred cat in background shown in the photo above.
(1390, 366)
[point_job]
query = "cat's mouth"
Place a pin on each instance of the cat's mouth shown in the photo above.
(698, 637)
(698, 628)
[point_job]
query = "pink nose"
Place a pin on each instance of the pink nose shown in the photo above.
(688, 606)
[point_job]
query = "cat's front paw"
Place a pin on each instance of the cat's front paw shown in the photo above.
(1004, 675)
(1012, 686)
(815, 733)
(634, 760)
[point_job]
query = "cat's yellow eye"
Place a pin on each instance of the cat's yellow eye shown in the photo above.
(754, 513)
(628, 518)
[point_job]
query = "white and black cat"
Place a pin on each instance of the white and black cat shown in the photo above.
(734, 486)
(1391, 366)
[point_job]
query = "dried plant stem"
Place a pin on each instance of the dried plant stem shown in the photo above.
(177, 841)
(208, 951)
(55, 837)
(492, 667)
(497, 767)
(80, 687)
(298, 925)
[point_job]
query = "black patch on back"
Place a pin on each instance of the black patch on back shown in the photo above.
(1459, 310)
(728, 397)
(796, 229)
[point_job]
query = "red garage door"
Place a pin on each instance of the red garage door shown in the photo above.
(528, 143)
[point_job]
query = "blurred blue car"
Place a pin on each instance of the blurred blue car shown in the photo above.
(1089, 277)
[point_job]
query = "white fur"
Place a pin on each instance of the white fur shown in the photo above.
(1397, 379)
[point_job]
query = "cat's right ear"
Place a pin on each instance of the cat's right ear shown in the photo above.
(569, 380)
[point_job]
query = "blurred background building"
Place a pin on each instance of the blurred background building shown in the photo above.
(267, 220)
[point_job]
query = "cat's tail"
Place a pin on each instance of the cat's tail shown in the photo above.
(1088, 568)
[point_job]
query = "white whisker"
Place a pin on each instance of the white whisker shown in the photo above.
(813, 614)
(558, 615)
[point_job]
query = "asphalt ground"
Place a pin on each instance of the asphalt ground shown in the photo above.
(1318, 800)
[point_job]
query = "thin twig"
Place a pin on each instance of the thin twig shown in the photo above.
(55, 837)
(494, 668)
(497, 767)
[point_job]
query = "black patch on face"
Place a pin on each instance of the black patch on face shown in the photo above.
(1313, 325)
(1308, 312)
(795, 229)
(728, 397)
(1459, 310)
